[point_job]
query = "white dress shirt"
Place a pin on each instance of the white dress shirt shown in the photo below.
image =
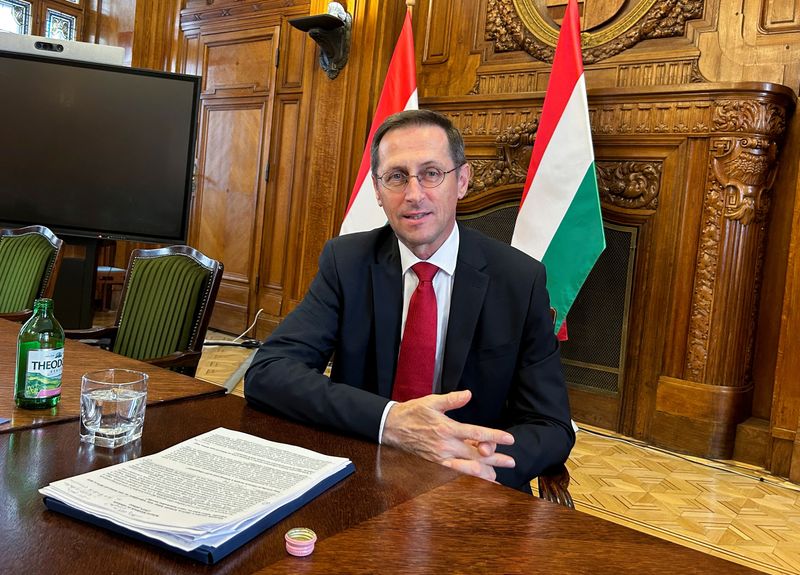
(445, 259)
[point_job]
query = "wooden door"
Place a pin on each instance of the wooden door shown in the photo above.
(239, 70)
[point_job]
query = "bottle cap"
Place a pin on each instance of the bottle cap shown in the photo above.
(300, 541)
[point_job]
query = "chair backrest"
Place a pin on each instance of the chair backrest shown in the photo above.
(29, 261)
(166, 302)
(496, 220)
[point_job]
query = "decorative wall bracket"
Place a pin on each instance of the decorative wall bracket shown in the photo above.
(331, 32)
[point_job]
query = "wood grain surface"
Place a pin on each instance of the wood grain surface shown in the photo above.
(395, 514)
(473, 526)
(163, 385)
(35, 540)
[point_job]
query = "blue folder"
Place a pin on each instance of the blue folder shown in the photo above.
(204, 553)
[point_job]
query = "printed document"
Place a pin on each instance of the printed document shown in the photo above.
(202, 491)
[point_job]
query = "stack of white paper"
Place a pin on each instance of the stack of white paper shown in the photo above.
(200, 492)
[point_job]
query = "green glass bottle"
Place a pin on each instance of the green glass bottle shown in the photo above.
(40, 355)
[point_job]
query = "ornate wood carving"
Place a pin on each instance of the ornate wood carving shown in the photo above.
(624, 184)
(665, 117)
(511, 165)
(749, 116)
(628, 184)
(681, 71)
(741, 172)
(512, 25)
(704, 281)
(745, 168)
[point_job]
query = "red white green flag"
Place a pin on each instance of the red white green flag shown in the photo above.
(399, 93)
(559, 220)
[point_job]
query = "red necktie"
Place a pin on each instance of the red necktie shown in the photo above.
(414, 377)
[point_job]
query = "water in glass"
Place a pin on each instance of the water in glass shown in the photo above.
(113, 407)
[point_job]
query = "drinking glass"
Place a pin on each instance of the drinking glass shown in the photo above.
(112, 406)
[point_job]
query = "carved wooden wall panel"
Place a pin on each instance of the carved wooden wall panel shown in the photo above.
(514, 25)
(227, 200)
(237, 94)
(692, 168)
(780, 16)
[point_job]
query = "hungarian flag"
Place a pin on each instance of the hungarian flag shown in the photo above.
(399, 93)
(559, 220)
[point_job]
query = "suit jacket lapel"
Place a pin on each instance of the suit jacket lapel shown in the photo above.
(387, 306)
(469, 289)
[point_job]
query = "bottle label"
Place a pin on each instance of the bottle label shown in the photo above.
(43, 377)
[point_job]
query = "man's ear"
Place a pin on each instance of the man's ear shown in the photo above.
(464, 175)
(377, 193)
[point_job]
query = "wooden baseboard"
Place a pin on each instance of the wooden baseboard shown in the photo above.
(752, 442)
(697, 418)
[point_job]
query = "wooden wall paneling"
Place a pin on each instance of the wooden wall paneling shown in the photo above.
(237, 96)
(785, 416)
(688, 192)
(189, 54)
(780, 16)
(276, 224)
(227, 199)
(438, 18)
(659, 275)
(445, 44)
(324, 180)
(156, 34)
(113, 23)
(294, 112)
(772, 370)
(293, 53)
(288, 135)
(750, 41)
(660, 281)
(775, 272)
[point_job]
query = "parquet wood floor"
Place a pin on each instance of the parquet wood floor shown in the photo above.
(725, 509)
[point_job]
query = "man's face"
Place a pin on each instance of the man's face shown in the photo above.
(421, 217)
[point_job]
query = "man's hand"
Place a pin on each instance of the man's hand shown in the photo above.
(421, 427)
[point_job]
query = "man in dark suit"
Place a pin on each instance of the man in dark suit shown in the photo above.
(494, 403)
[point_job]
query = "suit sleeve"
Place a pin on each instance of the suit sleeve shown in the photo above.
(537, 412)
(287, 373)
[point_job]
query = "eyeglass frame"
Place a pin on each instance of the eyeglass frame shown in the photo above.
(419, 181)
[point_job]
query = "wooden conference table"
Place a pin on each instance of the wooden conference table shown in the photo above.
(163, 385)
(395, 514)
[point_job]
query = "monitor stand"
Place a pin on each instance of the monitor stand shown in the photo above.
(74, 292)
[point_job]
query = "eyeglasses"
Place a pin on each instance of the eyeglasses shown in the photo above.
(397, 180)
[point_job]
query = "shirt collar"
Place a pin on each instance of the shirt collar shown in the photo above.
(444, 258)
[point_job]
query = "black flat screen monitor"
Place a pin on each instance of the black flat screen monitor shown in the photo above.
(93, 150)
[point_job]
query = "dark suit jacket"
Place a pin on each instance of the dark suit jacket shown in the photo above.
(499, 344)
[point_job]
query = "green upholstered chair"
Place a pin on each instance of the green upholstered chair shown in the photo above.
(29, 262)
(165, 306)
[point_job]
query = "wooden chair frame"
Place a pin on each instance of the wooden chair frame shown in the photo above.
(183, 360)
(48, 282)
